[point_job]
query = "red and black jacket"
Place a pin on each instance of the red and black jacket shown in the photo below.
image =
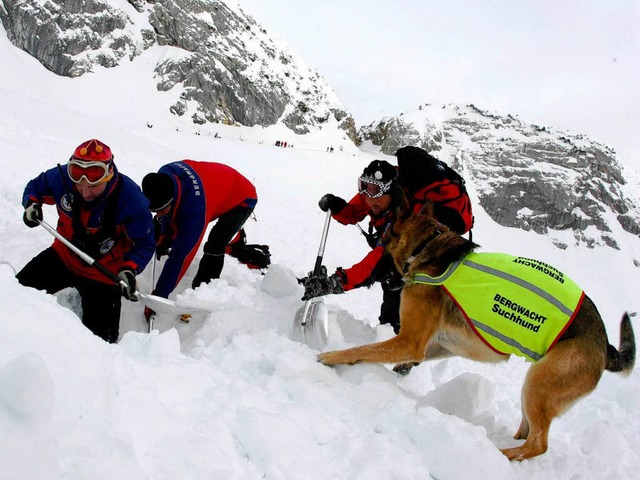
(354, 212)
(452, 207)
(203, 192)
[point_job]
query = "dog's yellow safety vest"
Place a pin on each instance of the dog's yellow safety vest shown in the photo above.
(517, 305)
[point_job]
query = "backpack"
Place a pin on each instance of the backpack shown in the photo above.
(423, 177)
(252, 255)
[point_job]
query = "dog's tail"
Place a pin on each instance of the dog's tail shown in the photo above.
(622, 360)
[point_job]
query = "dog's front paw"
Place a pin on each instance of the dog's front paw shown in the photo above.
(331, 359)
(325, 359)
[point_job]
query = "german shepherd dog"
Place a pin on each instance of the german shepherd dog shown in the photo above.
(432, 326)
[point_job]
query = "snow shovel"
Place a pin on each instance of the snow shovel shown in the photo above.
(159, 304)
(184, 317)
(311, 323)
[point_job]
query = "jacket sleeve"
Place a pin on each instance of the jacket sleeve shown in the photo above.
(360, 274)
(187, 235)
(41, 189)
(353, 212)
(138, 225)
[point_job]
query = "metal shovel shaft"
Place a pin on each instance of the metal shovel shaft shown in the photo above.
(311, 325)
(154, 302)
(317, 268)
(323, 241)
(84, 256)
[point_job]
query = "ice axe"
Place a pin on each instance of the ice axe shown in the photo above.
(154, 302)
(311, 323)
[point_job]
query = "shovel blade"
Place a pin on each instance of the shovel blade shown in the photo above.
(311, 324)
(164, 305)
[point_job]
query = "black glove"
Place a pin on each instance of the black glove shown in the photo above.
(162, 249)
(323, 273)
(128, 284)
(319, 286)
(331, 202)
(32, 214)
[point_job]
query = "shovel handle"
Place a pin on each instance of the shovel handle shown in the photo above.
(152, 301)
(84, 256)
(317, 268)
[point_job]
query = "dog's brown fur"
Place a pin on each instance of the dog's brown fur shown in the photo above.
(432, 326)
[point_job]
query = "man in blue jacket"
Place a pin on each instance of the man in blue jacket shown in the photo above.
(105, 214)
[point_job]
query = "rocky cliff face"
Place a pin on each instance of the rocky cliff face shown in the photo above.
(525, 175)
(225, 68)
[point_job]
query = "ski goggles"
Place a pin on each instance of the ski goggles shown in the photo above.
(93, 173)
(373, 188)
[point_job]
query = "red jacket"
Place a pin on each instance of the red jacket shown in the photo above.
(451, 208)
(204, 191)
(353, 212)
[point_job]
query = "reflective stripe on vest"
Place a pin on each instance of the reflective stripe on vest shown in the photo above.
(517, 305)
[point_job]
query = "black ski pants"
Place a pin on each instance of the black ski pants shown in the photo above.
(225, 228)
(101, 302)
(391, 281)
(390, 308)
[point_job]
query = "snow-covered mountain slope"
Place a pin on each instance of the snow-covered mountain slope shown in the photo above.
(219, 66)
(209, 64)
(525, 175)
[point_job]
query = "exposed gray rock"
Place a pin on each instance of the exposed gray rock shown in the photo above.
(394, 132)
(226, 69)
(525, 175)
(69, 37)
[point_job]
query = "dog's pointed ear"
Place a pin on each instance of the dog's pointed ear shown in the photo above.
(402, 215)
(427, 209)
(403, 209)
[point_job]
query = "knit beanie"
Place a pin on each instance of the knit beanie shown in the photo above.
(158, 188)
(381, 171)
(93, 151)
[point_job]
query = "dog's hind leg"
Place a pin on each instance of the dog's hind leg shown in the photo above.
(568, 372)
(523, 429)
